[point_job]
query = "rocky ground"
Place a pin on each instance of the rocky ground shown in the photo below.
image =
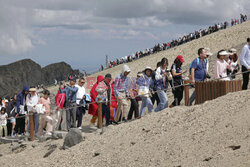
(216, 133)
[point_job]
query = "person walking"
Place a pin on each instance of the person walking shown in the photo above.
(21, 110)
(80, 101)
(145, 84)
(245, 63)
(198, 70)
(3, 122)
(71, 106)
(93, 107)
(121, 92)
(163, 76)
(177, 80)
(46, 119)
(154, 88)
(11, 111)
(31, 102)
(104, 92)
(221, 66)
(133, 93)
(60, 111)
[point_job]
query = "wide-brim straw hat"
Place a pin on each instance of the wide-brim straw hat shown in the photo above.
(224, 53)
(32, 89)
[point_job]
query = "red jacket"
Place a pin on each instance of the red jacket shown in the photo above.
(93, 108)
(60, 99)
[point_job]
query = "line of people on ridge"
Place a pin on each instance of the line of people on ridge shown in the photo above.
(151, 84)
(176, 42)
(149, 87)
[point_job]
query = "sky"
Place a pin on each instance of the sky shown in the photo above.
(81, 33)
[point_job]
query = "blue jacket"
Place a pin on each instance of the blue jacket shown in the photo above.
(70, 93)
(145, 79)
(21, 98)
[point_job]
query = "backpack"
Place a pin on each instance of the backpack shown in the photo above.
(198, 62)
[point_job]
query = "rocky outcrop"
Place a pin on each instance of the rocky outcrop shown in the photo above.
(27, 72)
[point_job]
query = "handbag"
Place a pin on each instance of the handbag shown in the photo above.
(40, 109)
(143, 90)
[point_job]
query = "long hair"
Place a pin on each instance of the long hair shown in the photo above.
(234, 57)
(163, 60)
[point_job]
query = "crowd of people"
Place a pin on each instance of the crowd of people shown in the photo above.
(181, 40)
(149, 86)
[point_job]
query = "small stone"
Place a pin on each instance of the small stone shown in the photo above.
(33, 145)
(207, 159)
(234, 147)
(48, 153)
(96, 154)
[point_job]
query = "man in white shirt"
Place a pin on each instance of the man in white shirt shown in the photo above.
(80, 98)
(245, 62)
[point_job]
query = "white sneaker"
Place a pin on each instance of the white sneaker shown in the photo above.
(48, 133)
(80, 128)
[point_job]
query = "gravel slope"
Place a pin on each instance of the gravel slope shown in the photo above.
(200, 135)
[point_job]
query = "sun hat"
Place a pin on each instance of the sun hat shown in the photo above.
(208, 52)
(32, 89)
(148, 68)
(232, 50)
(224, 53)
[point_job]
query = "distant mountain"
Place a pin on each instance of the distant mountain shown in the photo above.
(27, 72)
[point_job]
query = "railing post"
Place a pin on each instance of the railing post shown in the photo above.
(31, 120)
(99, 123)
(186, 90)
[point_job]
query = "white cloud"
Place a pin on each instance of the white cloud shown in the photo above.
(15, 34)
(111, 19)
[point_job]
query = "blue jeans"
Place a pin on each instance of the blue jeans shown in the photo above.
(36, 121)
(192, 98)
(163, 100)
(146, 102)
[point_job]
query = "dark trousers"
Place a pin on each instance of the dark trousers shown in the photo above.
(71, 115)
(154, 98)
(245, 78)
(9, 127)
(79, 114)
(106, 113)
(20, 124)
(134, 108)
(178, 95)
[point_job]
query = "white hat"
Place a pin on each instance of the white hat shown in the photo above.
(6, 101)
(208, 52)
(148, 68)
(224, 53)
(233, 51)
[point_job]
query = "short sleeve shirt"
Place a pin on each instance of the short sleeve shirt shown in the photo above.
(200, 69)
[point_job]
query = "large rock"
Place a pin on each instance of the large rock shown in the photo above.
(58, 71)
(14, 76)
(73, 137)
